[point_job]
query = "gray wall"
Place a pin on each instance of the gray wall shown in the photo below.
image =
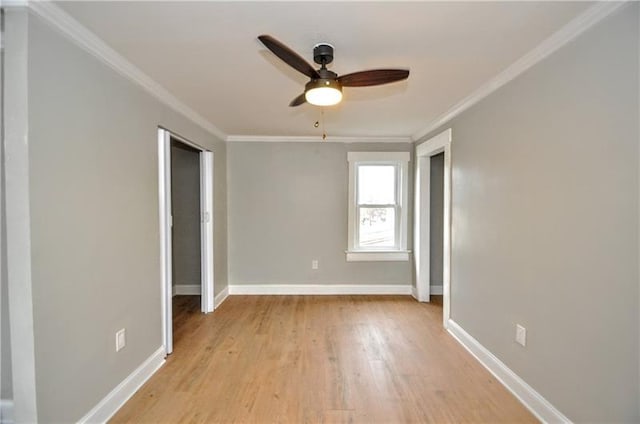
(6, 388)
(436, 218)
(18, 216)
(95, 229)
(545, 223)
(288, 206)
(185, 204)
(6, 384)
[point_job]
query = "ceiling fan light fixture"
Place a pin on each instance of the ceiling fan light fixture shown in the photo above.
(323, 92)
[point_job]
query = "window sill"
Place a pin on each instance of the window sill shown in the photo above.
(374, 256)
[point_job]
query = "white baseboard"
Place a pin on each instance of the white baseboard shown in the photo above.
(6, 411)
(108, 406)
(220, 297)
(187, 289)
(436, 290)
(326, 289)
(533, 400)
(414, 293)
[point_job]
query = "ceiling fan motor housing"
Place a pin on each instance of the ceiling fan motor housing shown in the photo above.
(323, 54)
(323, 83)
(327, 79)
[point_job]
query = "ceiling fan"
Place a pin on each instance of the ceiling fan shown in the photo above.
(325, 86)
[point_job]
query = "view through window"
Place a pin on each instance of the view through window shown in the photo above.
(377, 203)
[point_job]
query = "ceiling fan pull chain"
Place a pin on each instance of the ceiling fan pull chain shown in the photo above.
(324, 133)
(317, 124)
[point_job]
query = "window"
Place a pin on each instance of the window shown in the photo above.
(378, 206)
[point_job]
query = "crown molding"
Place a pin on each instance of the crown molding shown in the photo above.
(560, 38)
(314, 139)
(90, 42)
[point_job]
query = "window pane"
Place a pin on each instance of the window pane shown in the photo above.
(377, 227)
(376, 184)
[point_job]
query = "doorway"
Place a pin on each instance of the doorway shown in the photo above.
(186, 225)
(432, 220)
(436, 223)
(185, 228)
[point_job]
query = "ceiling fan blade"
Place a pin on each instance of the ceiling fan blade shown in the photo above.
(290, 57)
(298, 100)
(373, 77)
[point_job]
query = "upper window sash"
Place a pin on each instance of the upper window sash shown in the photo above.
(397, 182)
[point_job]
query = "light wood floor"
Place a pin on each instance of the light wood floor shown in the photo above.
(318, 359)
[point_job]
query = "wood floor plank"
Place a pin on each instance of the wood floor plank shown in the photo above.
(318, 359)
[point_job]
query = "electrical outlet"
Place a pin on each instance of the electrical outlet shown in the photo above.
(521, 335)
(121, 340)
(314, 264)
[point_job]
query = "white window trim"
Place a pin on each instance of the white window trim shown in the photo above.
(400, 253)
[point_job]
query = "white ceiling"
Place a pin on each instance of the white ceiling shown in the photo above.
(207, 55)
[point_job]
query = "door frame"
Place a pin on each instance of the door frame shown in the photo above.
(440, 143)
(166, 222)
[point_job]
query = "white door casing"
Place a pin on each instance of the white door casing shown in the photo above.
(206, 230)
(166, 223)
(440, 143)
(164, 195)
